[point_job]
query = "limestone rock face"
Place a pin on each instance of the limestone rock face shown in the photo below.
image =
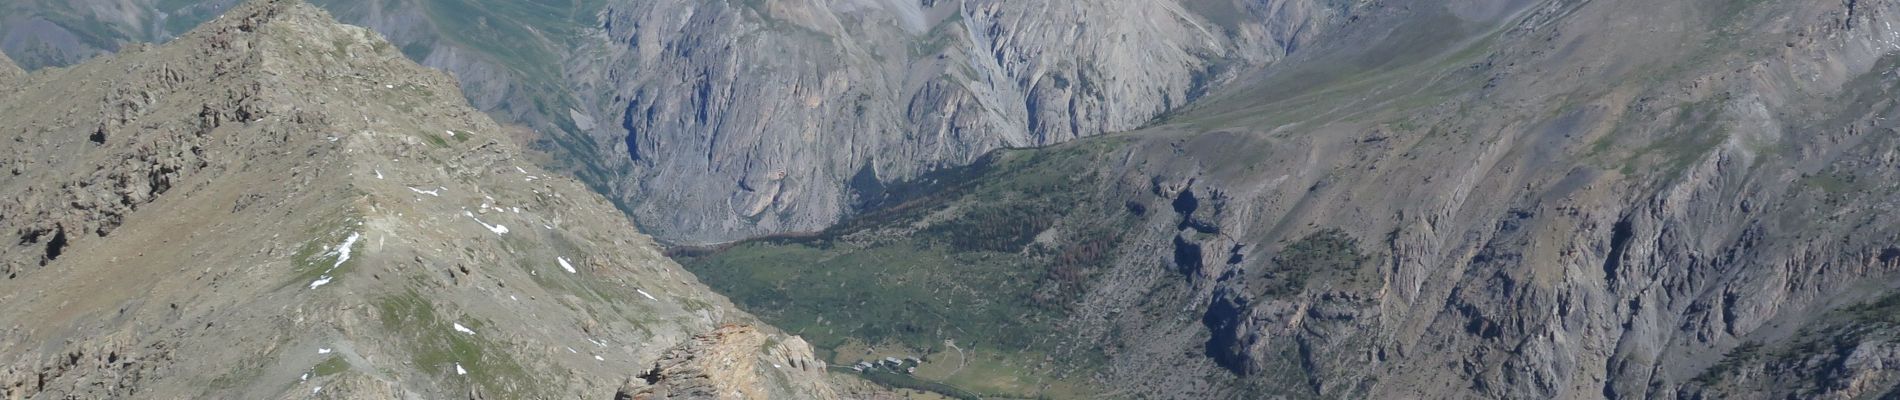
(278, 205)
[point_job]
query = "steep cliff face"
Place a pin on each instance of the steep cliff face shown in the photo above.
(742, 118)
(1490, 199)
(276, 205)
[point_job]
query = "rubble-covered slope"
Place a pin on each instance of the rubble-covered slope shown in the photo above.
(276, 205)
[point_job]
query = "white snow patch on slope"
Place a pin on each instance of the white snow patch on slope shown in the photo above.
(463, 329)
(459, 370)
(343, 250)
(342, 255)
(498, 229)
(565, 265)
(644, 293)
(427, 192)
(323, 350)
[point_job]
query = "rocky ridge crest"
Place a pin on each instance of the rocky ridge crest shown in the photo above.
(278, 205)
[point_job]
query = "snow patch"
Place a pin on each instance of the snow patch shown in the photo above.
(498, 229)
(565, 265)
(459, 370)
(463, 329)
(323, 350)
(597, 358)
(342, 255)
(379, 174)
(343, 250)
(644, 293)
(435, 193)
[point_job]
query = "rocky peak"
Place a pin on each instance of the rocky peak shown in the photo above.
(279, 205)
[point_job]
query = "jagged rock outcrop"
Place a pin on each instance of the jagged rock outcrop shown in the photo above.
(277, 205)
(728, 363)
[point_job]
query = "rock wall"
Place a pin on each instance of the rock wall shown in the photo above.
(734, 119)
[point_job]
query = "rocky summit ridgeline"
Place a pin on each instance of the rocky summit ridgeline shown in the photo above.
(276, 205)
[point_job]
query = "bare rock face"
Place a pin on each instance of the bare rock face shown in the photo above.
(734, 119)
(729, 363)
(277, 205)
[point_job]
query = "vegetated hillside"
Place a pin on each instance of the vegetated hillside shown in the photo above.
(1491, 199)
(276, 205)
(967, 279)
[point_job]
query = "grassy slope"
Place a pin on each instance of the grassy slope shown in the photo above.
(912, 278)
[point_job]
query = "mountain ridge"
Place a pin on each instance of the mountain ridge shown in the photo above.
(277, 205)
